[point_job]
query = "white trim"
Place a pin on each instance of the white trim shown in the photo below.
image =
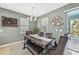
(67, 24)
(71, 9)
(10, 44)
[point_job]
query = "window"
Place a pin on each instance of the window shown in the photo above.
(45, 24)
(24, 25)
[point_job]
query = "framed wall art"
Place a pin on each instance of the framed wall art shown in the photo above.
(9, 22)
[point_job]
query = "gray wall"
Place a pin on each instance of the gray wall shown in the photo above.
(10, 34)
(57, 12)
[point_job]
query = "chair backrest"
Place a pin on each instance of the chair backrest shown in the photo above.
(48, 35)
(60, 47)
(28, 32)
(41, 34)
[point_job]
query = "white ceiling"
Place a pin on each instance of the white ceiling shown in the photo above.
(26, 8)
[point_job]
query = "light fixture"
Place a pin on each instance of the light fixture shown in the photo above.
(35, 19)
(58, 23)
(52, 23)
(31, 18)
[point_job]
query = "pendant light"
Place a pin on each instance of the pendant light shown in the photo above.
(32, 18)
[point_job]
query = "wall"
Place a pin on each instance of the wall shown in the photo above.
(10, 34)
(57, 12)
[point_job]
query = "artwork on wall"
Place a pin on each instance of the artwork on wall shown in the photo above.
(9, 22)
(57, 22)
(75, 27)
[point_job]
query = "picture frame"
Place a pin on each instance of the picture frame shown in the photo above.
(9, 22)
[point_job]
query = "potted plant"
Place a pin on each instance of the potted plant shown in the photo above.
(35, 30)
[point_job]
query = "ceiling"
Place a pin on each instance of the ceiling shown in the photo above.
(38, 8)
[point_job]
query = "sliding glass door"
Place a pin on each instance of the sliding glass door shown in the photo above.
(73, 23)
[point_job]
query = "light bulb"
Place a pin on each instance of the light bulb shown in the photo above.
(58, 23)
(57, 17)
(52, 23)
(31, 17)
(35, 19)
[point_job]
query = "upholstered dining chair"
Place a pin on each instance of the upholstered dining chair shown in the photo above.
(60, 46)
(28, 32)
(58, 50)
(49, 46)
(25, 40)
(48, 35)
(41, 34)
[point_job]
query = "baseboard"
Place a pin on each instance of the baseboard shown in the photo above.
(10, 44)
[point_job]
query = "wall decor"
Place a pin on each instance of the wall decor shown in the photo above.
(57, 21)
(9, 22)
(75, 27)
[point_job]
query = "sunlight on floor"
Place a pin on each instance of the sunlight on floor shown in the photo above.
(14, 49)
(4, 51)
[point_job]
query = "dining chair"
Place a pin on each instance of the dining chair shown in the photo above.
(49, 46)
(28, 32)
(25, 39)
(60, 46)
(41, 34)
(48, 35)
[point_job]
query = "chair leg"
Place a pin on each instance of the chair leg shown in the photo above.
(25, 43)
(25, 46)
